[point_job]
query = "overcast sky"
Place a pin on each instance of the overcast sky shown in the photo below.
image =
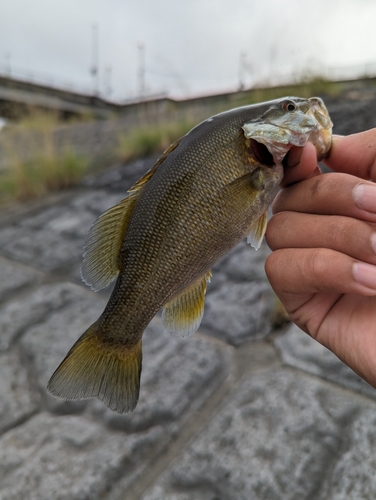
(190, 48)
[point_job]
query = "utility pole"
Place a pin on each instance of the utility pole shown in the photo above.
(242, 64)
(8, 65)
(94, 68)
(108, 75)
(141, 69)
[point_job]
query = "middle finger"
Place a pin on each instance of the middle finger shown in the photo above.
(353, 237)
(329, 194)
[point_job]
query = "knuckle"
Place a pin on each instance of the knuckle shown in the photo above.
(323, 186)
(269, 265)
(272, 266)
(350, 235)
(320, 264)
(273, 229)
(340, 228)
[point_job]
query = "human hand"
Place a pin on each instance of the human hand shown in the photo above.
(323, 237)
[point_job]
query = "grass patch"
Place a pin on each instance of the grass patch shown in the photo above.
(153, 139)
(307, 88)
(34, 161)
(37, 155)
(149, 140)
(34, 178)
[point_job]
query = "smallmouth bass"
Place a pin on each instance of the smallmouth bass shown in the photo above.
(205, 193)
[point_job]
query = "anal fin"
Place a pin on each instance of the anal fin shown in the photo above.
(257, 231)
(183, 314)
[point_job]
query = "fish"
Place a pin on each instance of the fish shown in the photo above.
(206, 193)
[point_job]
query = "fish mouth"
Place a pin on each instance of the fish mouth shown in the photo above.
(289, 122)
(262, 153)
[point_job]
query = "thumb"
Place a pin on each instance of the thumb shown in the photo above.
(354, 154)
(300, 163)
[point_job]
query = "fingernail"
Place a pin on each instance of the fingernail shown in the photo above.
(364, 196)
(293, 157)
(365, 274)
(337, 135)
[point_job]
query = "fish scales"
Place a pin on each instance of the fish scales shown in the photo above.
(180, 195)
(204, 195)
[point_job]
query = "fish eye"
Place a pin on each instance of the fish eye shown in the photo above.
(289, 106)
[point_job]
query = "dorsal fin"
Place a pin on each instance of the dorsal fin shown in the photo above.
(258, 230)
(100, 263)
(169, 150)
(183, 314)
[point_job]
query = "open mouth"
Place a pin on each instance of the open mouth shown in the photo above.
(262, 153)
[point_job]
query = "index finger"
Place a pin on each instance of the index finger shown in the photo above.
(354, 154)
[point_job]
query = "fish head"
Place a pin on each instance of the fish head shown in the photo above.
(291, 121)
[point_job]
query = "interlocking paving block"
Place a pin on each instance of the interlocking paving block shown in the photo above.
(353, 476)
(299, 350)
(177, 374)
(19, 314)
(245, 263)
(14, 277)
(53, 239)
(44, 248)
(71, 224)
(17, 402)
(40, 218)
(95, 202)
(46, 343)
(121, 177)
(238, 312)
(282, 435)
(69, 458)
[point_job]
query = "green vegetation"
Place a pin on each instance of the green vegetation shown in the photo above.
(38, 154)
(306, 88)
(34, 161)
(152, 139)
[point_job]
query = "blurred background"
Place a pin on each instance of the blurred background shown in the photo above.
(87, 84)
(124, 50)
(91, 91)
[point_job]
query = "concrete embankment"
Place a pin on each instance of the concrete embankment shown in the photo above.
(238, 411)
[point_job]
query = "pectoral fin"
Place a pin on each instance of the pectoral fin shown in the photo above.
(183, 314)
(257, 232)
(245, 187)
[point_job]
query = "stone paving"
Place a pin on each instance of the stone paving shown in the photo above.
(238, 411)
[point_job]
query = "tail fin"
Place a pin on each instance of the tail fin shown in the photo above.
(93, 368)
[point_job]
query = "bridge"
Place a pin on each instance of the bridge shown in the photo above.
(18, 97)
